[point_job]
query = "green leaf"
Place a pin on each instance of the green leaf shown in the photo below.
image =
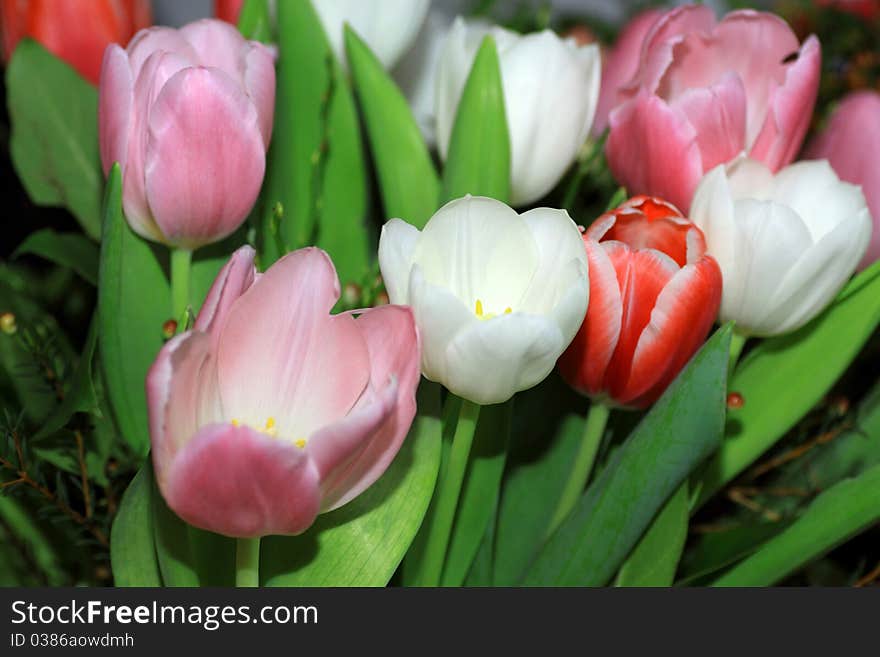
(478, 161)
(839, 513)
(363, 542)
(132, 549)
(28, 535)
(189, 556)
(682, 429)
(254, 21)
(134, 300)
(654, 560)
(772, 382)
(54, 141)
(479, 493)
(316, 167)
(66, 249)
(407, 178)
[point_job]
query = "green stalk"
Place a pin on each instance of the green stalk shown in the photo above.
(448, 492)
(737, 342)
(594, 429)
(247, 562)
(181, 265)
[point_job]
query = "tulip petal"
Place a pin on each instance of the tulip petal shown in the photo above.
(233, 280)
(584, 363)
(283, 356)
(491, 360)
(238, 482)
(790, 109)
(397, 246)
(479, 249)
(663, 135)
(217, 44)
(204, 141)
(393, 344)
(115, 107)
(259, 80)
(682, 316)
(440, 316)
(157, 39)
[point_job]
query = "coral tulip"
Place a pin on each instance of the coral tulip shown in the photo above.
(497, 296)
(786, 243)
(654, 294)
(77, 31)
(851, 144)
(271, 410)
(188, 115)
(705, 92)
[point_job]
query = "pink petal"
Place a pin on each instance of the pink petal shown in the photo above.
(621, 65)
(217, 44)
(584, 363)
(393, 343)
(282, 355)
(233, 280)
(682, 316)
(157, 39)
(652, 149)
(115, 107)
(238, 482)
(259, 80)
(205, 157)
(791, 108)
(718, 115)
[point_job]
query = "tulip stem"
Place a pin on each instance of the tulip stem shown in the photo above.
(594, 429)
(247, 562)
(448, 492)
(737, 342)
(181, 264)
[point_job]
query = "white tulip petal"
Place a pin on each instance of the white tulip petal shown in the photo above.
(397, 245)
(439, 316)
(712, 212)
(491, 360)
(749, 178)
(479, 249)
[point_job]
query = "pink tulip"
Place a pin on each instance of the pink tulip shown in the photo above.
(271, 410)
(621, 65)
(706, 91)
(188, 115)
(851, 144)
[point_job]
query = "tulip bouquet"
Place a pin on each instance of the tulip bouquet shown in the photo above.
(366, 294)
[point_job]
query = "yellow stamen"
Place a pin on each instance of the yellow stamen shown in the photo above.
(479, 311)
(508, 310)
(270, 429)
(300, 442)
(235, 422)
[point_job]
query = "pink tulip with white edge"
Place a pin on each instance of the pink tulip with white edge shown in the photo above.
(187, 114)
(271, 410)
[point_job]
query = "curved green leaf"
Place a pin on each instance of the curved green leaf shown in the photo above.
(66, 249)
(363, 542)
(654, 560)
(478, 161)
(839, 513)
(407, 178)
(54, 143)
(682, 429)
(775, 387)
(133, 302)
(132, 550)
(254, 21)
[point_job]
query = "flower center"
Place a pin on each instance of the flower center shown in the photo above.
(270, 430)
(478, 311)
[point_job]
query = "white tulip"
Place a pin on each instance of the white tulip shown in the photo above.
(388, 27)
(497, 296)
(786, 243)
(551, 86)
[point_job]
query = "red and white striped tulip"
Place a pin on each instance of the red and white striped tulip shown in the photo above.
(654, 294)
(271, 410)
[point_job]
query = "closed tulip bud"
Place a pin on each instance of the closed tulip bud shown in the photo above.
(851, 144)
(706, 91)
(271, 410)
(551, 87)
(497, 296)
(76, 31)
(654, 294)
(188, 116)
(786, 243)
